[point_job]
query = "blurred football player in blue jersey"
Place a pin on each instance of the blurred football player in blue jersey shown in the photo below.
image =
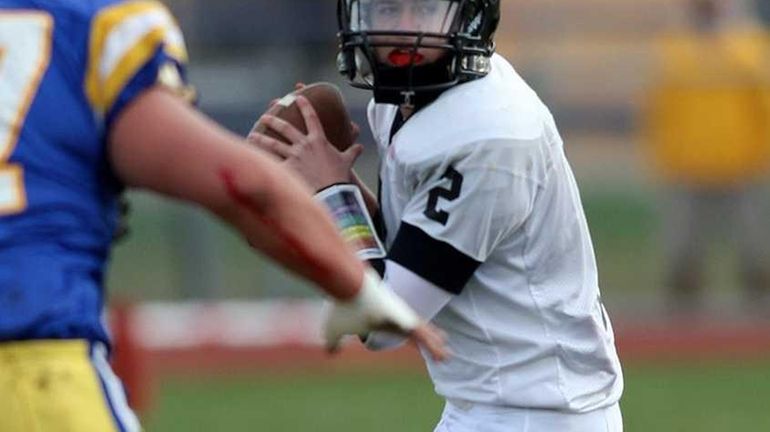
(92, 100)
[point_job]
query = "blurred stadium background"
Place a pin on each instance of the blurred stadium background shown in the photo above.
(216, 339)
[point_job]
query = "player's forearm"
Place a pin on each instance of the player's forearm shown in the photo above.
(161, 144)
(278, 218)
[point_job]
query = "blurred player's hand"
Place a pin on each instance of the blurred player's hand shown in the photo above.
(376, 307)
(309, 155)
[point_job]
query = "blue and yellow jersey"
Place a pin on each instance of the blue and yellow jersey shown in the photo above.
(67, 70)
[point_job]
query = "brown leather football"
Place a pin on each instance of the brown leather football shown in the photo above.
(328, 103)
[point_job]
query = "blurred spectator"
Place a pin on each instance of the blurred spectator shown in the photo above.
(708, 125)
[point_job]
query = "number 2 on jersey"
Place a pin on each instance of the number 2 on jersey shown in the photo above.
(451, 194)
(25, 51)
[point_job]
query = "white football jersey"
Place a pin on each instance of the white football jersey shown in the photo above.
(483, 170)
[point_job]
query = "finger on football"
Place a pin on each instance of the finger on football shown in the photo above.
(272, 103)
(286, 129)
(270, 145)
(355, 131)
(312, 122)
(431, 339)
(299, 85)
(353, 152)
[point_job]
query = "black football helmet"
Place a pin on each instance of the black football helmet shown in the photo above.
(409, 51)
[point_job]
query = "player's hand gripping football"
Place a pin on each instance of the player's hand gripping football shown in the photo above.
(376, 307)
(309, 155)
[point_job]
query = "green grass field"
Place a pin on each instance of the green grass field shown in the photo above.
(703, 398)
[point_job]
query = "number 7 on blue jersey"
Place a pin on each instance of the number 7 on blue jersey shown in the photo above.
(25, 52)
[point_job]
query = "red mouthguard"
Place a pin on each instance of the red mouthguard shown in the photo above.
(402, 58)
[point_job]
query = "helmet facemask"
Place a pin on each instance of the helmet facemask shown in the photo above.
(409, 51)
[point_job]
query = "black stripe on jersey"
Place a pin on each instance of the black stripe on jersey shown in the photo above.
(398, 122)
(378, 265)
(378, 219)
(434, 260)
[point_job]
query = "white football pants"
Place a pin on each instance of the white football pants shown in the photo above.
(487, 418)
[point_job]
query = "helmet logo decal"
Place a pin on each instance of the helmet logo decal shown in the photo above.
(473, 26)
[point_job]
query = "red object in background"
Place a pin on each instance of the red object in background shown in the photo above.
(129, 359)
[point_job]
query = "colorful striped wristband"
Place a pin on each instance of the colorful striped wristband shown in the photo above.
(346, 205)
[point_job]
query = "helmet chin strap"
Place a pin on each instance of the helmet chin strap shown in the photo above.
(405, 86)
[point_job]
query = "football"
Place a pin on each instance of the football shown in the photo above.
(328, 103)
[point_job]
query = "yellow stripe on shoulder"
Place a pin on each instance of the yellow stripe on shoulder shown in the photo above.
(123, 38)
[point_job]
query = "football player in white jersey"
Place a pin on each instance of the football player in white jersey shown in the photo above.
(480, 216)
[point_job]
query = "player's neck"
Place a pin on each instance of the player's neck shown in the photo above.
(406, 111)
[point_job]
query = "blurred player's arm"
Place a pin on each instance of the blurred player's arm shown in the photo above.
(135, 74)
(162, 144)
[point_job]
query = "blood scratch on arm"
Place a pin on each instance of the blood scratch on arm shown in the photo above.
(256, 209)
